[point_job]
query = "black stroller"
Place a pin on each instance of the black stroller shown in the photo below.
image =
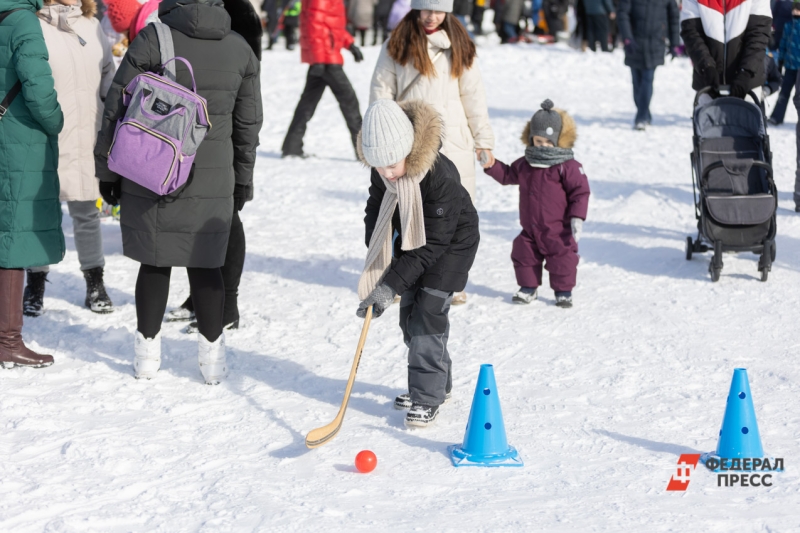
(732, 170)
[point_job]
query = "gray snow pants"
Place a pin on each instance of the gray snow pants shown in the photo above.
(88, 236)
(426, 328)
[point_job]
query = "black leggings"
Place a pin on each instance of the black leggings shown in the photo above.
(208, 295)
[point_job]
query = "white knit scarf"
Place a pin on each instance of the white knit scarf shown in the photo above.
(405, 192)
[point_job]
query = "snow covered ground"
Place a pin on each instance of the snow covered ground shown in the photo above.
(600, 400)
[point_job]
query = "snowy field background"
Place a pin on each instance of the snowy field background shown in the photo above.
(600, 400)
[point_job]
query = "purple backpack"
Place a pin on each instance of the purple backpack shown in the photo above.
(155, 143)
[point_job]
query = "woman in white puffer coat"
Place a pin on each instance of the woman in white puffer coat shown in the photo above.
(430, 57)
(83, 67)
(437, 45)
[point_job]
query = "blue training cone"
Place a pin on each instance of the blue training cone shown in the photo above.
(485, 441)
(739, 437)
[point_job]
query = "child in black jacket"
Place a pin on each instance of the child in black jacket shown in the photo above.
(416, 191)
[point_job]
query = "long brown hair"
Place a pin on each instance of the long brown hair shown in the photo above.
(410, 43)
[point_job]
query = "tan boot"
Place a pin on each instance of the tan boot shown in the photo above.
(13, 351)
(459, 298)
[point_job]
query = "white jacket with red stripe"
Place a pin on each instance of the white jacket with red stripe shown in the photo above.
(731, 35)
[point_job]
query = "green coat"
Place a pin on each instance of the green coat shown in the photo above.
(30, 213)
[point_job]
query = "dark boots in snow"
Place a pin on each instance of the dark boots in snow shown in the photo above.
(183, 313)
(96, 298)
(421, 416)
(33, 298)
(13, 351)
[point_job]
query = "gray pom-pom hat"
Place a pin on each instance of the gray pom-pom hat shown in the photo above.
(546, 123)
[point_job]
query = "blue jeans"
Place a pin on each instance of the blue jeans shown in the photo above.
(789, 79)
(536, 6)
(510, 30)
(642, 92)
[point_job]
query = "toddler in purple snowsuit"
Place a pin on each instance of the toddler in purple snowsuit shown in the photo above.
(553, 200)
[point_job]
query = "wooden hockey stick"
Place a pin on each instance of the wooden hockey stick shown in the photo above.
(318, 437)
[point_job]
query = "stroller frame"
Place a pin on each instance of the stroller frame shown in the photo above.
(704, 243)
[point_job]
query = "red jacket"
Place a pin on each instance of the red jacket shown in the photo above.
(322, 32)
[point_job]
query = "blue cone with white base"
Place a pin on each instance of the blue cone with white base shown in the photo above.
(485, 441)
(739, 437)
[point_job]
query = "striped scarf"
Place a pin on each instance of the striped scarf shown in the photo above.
(405, 192)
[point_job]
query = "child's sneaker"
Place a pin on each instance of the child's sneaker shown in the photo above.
(564, 300)
(404, 400)
(421, 416)
(525, 295)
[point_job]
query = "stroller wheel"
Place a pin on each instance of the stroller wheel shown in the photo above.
(772, 251)
(764, 274)
(715, 272)
(689, 247)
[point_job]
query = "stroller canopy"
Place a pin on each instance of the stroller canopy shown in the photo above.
(729, 117)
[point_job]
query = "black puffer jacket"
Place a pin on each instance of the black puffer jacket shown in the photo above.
(451, 221)
(731, 39)
(648, 24)
(190, 227)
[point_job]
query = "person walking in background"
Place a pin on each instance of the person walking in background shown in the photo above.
(415, 194)
(645, 26)
(728, 49)
(598, 13)
(512, 12)
(82, 65)
(381, 25)
(30, 217)
(788, 58)
(781, 14)
(193, 224)
(323, 34)
(773, 78)
(360, 16)
(554, 11)
(430, 57)
(291, 20)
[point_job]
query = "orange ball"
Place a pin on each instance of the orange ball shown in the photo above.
(366, 461)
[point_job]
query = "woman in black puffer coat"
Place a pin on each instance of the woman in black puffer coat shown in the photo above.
(190, 227)
(645, 26)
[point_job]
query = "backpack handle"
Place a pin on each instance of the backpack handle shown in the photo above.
(188, 65)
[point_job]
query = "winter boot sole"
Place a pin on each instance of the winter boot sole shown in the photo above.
(8, 365)
(99, 310)
(419, 423)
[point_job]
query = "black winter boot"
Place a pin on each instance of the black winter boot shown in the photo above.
(33, 297)
(96, 298)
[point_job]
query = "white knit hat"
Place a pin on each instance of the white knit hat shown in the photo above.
(433, 5)
(386, 134)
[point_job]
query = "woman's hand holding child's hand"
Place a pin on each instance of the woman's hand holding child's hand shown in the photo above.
(485, 158)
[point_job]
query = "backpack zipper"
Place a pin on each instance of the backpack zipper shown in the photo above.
(154, 134)
(184, 89)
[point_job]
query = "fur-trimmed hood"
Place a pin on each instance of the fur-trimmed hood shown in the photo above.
(88, 7)
(428, 137)
(568, 136)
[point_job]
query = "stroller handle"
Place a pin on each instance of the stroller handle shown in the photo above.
(725, 91)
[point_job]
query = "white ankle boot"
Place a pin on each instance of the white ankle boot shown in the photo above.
(211, 356)
(147, 360)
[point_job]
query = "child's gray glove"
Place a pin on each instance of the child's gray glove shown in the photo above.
(577, 227)
(380, 299)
